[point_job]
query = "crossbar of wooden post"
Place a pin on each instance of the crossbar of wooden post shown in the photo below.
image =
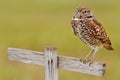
(63, 62)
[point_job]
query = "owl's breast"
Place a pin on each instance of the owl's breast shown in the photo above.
(81, 29)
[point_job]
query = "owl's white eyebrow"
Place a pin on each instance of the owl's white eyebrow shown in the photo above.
(76, 19)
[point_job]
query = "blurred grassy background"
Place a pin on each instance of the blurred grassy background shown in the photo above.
(34, 24)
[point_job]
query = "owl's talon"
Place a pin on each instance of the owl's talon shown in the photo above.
(90, 61)
(84, 60)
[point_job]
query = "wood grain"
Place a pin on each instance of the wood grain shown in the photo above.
(63, 62)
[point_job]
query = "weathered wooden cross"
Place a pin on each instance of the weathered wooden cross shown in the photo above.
(52, 61)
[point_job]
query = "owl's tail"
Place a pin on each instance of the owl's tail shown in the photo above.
(108, 47)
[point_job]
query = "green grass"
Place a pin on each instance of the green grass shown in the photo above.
(34, 24)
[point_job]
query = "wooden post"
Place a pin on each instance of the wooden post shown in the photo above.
(51, 72)
(62, 62)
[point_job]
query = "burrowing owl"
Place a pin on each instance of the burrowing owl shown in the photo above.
(90, 31)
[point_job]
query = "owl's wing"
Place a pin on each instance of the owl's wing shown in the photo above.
(97, 31)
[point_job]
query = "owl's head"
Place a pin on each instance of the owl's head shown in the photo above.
(83, 13)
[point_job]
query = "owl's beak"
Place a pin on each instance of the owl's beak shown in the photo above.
(79, 17)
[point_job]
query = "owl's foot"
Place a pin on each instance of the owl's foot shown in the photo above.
(90, 61)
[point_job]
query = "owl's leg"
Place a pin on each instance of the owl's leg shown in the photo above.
(94, 53)
(89, 54)
(92, 56)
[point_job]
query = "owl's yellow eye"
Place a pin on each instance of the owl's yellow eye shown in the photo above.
(85, 12)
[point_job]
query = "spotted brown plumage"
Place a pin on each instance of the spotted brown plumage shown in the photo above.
(89, 30)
